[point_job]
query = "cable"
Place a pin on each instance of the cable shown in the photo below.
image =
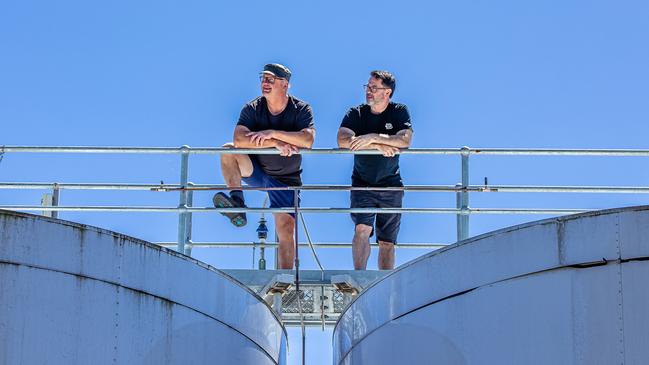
(308, 237)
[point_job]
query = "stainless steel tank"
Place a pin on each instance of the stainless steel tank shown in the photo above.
(570, 290)
(74, 294)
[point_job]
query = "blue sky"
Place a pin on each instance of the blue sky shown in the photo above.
(547, 74)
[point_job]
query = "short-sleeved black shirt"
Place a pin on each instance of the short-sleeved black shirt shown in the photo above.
(377, 170)
(296, 116)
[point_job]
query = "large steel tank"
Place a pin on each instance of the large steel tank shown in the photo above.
(570, 290)
(74, 294)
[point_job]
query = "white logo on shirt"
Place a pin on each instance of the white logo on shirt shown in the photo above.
(388, 125)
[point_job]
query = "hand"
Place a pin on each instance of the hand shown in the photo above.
(362, 142)
(388, 151)
(258, 138)
(286, 149)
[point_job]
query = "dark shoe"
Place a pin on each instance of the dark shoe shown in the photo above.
(223, 201)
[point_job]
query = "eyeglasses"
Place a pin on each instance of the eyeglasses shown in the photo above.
(373, 89)
(269, 79)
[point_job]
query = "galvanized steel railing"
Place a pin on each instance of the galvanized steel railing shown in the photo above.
(186, 188)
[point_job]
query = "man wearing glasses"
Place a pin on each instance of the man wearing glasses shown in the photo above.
(382, 125)
(273, 120)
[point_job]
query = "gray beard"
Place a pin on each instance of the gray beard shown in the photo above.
(372, 102)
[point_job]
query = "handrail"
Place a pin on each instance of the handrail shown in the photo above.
(412, 188)
(291, 210)
(186, 188)
(317, 151)
(418, 246)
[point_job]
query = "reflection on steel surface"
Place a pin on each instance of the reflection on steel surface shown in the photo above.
(569, 290)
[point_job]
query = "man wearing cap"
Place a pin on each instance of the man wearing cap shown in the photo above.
(273, 120)
(382, 125)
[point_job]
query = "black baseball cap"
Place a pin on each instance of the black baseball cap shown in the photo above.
(277, 70)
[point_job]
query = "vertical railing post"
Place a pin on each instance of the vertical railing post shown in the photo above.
(188, 221)
(464, 195)
(182, 216)
(51, 200)
(458, 216)
(55, 199)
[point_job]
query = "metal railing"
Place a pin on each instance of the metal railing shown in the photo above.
(185, 208)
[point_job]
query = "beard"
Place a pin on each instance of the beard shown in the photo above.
(373, 101)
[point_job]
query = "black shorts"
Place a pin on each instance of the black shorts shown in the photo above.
(387, 225)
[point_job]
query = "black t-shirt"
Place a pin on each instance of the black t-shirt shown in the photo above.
(377, 170)
(296, 116)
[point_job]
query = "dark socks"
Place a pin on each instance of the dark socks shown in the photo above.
(237, 195)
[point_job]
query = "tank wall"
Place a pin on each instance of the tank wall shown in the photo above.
(76, 294)
(558, 291)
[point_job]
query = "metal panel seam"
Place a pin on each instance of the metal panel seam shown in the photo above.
(620, 293)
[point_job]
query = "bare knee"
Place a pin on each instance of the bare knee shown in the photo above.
(228, 157)
(363, 230)
(386, 246)
(284, 224)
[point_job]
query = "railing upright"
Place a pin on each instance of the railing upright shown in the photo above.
(183, 199)
(462, 197)
(188, 222)
(55, 199)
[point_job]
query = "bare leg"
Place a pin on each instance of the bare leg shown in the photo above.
(361, 246)
(386, 255)
(233, 167)
(285, 224)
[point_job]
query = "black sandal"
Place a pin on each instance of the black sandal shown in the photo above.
(221, 200)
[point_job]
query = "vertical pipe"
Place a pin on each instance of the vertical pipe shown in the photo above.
(297, 258)
(458, 216)
(262, 255)
(188, 221)
(465, 194)
(276, 249)
(277, 303)
(55, 199)
(296, 196)
(182, 216)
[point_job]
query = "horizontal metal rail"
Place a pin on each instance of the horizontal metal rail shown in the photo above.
(186, 189)
(413, 188)
(327, 151)
(302, 244)
(292, 210)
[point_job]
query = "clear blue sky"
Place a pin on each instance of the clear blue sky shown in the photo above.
(563, 74)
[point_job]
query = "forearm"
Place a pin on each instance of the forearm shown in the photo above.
(373, 146)
(344, 137)
(344, 141)
(242, 141)
(302, 139)
(397, 140)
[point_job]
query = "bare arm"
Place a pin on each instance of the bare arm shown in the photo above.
(242, 139)
(345, 136)
(302, 139)
(402, 139)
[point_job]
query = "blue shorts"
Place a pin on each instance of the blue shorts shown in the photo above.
(278, 198)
